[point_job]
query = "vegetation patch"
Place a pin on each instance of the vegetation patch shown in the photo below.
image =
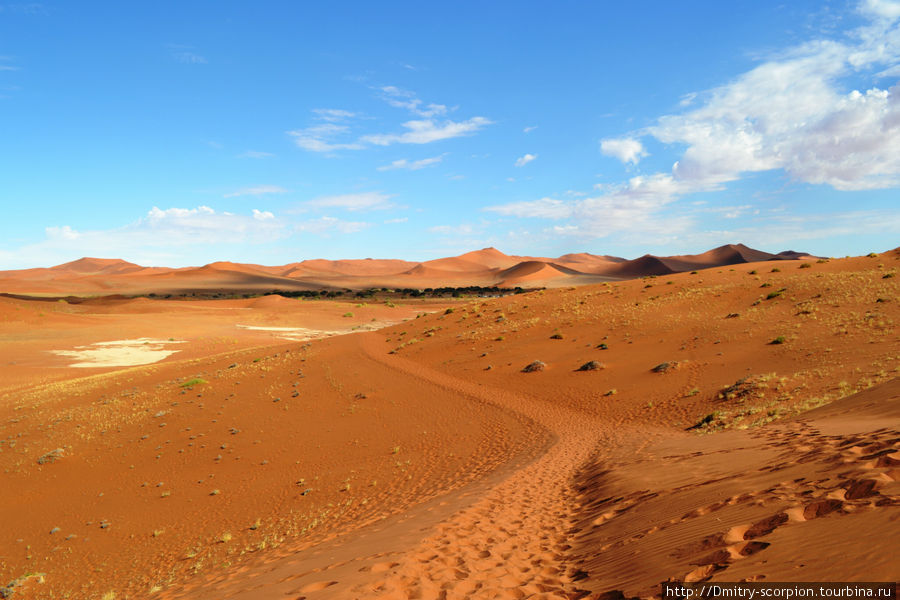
(193, 382)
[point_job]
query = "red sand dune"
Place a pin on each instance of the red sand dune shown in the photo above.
(734, 424)
(486, 267)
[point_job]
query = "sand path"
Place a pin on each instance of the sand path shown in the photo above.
(505, 536)
(511, 542)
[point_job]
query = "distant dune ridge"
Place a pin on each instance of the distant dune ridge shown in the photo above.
(485, 267)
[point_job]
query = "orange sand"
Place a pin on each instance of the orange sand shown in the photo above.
(419, 461)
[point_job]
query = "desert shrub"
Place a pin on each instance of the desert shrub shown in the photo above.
(779, 340)
(193, 382)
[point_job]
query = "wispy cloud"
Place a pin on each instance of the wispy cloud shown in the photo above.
(4, 64)
(524, 160)
(257, 190)
(529, 129)
(256, 154)
(354, 202)
(400, 98)
(334, 129)
(189, 58)
(635, 206)
(412, 165)
(463, 229)
(334, 115)
(428, 130)
(326, 225)
(323, 136)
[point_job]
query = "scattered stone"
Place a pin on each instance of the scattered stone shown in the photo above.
(534, 367)
(51, 456)
(592, 365)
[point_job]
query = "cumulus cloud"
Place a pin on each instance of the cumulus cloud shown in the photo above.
(794, 112)
(257, 190)
(412, 165)
(354, 202)
(524, 160)
(886, 9)
(627, 150)
(151, 239)
(791, 113)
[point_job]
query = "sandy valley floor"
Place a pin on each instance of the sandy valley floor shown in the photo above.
(737, 423)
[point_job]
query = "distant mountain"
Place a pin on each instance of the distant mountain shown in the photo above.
(485, 267)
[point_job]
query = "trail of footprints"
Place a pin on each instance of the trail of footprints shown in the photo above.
(869, 464)
(511, 544)
(858, 470)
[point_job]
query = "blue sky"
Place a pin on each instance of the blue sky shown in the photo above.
(179, 133)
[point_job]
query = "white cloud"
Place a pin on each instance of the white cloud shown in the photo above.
(529, 129)
(426, 131)
(334, 114)
(325, 225)
(412, 165)
(152, 238)
(453, 229)
(885, 9)
(524, 160)
(62, 233)
(319, 138)
(256, 154)
(262, 215)
(545, 208)
(354, 202)
(333, 132)
(257, 190)
(189, 58)
(627, 150)
(399, 98)
(635, 206)
(790, 113)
